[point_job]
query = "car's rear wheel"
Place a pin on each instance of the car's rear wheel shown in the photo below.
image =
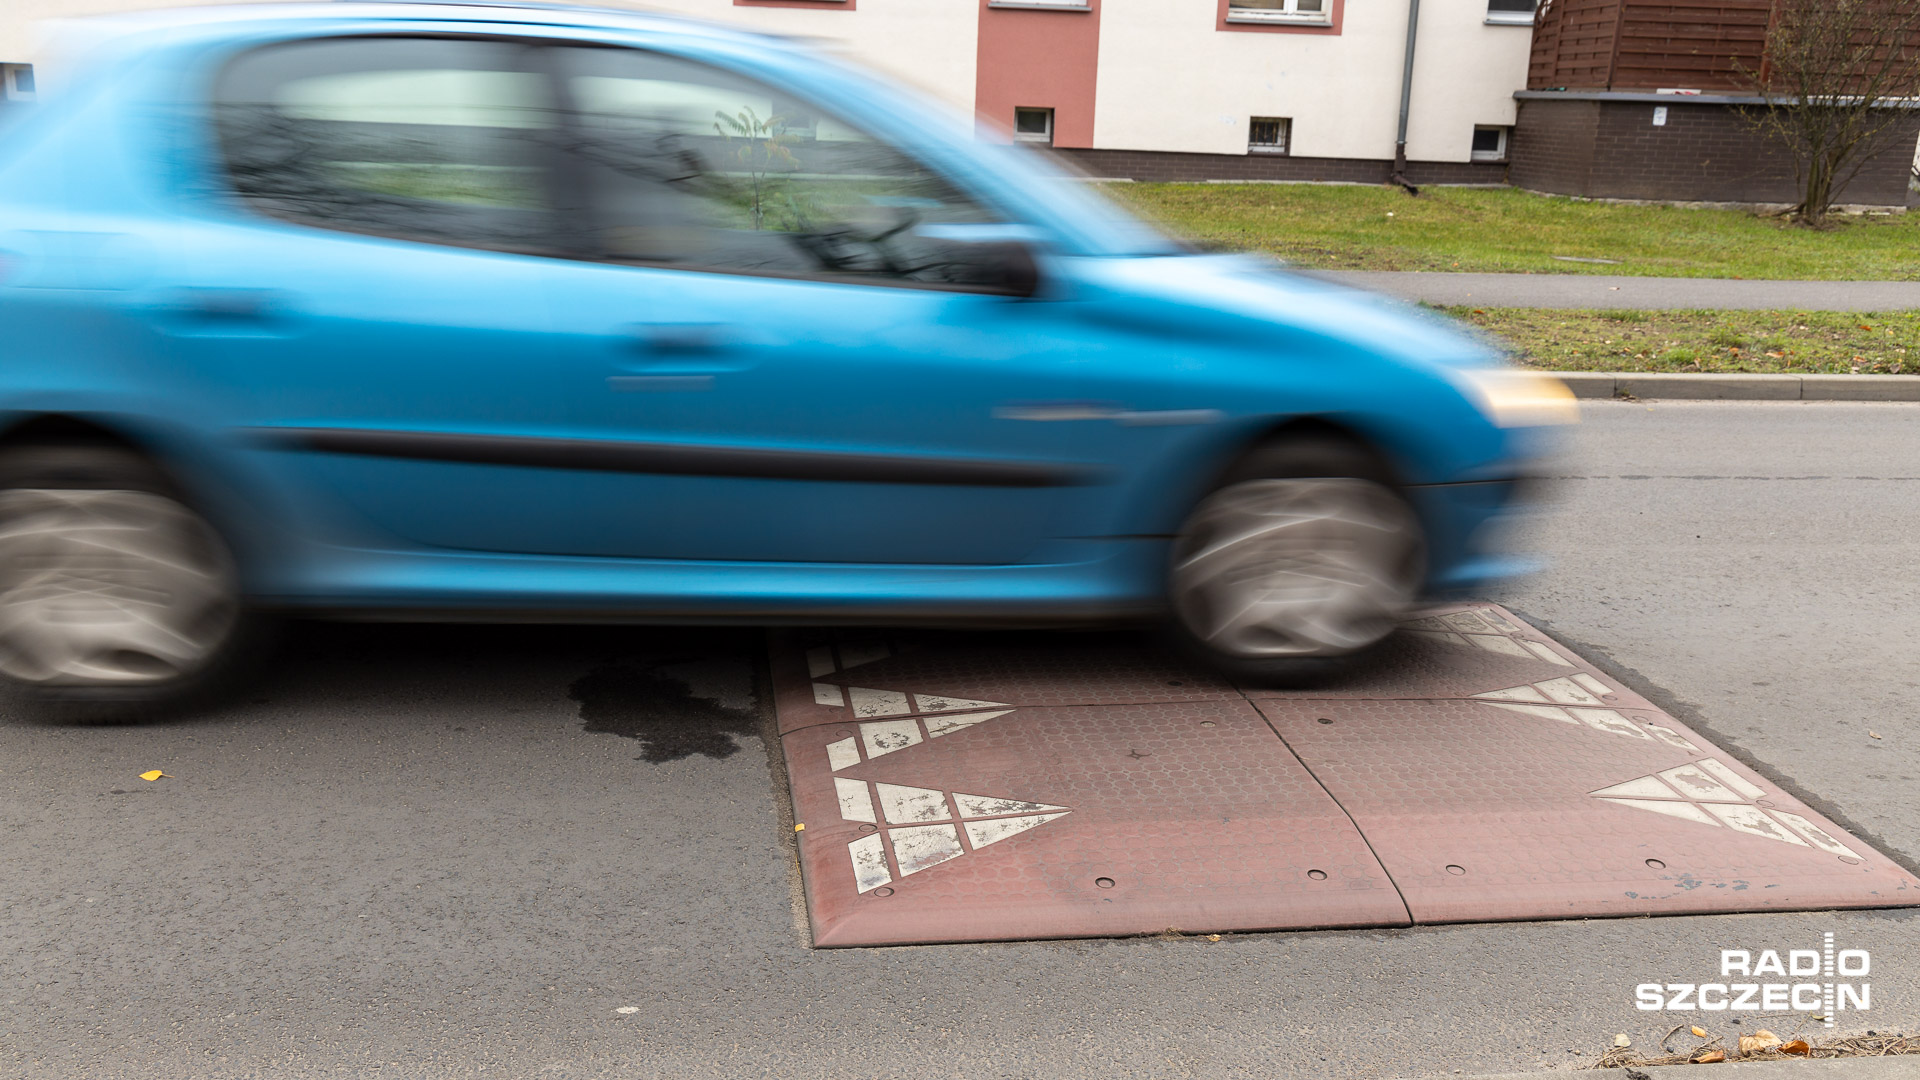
(1303, 557)
(116, 596)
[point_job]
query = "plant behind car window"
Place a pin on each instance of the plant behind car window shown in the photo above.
(763, 156)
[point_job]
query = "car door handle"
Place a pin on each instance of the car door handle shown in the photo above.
(680, 355)
(220, 312)
(679, 338)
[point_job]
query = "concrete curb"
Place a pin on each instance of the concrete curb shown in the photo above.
(1737, 387)
(1860, 1068)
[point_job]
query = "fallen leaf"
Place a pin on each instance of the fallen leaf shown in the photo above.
(1797, 1046)
(1622, 1040)
(1873, 734)
(800, 827)
(154, 774)
(1710, 1057)
(1758, 1041)
(1698, 1032)
(1213, 937)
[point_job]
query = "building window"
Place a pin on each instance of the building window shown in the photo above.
(1268, 134)
(1310, 12)
(16, 82)
(1033, 125)
(1490, 143)
(1510, 12)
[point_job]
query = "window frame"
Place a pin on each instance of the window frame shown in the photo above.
(826, 5)
(1505, 133)
(1512, 18)
(1043, 138)
(1283, 148)
(1285, 17)
(10, 88)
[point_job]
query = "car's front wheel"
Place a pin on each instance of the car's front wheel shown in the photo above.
(1304, 555)
(115, 594)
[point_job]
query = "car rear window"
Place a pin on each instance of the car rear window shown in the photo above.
(445, 140)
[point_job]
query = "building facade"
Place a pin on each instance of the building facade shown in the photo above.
(1153, 89)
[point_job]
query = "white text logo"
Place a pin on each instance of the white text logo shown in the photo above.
(1834, 981)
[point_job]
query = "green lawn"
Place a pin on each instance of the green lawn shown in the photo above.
(1799, 341)
(1350, 227)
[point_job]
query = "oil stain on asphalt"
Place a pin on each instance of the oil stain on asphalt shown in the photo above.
(640, 701)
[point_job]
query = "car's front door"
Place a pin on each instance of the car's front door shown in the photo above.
(783, 343)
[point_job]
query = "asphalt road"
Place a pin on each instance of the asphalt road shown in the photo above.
(447, 852)
(1622, 291)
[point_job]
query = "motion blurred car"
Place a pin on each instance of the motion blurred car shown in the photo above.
(429, 311)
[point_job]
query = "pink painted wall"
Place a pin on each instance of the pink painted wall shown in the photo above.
(1043, 60)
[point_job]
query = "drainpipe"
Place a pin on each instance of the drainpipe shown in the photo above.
(1406, 101)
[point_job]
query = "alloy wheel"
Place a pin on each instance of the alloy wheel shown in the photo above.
(1307, 567)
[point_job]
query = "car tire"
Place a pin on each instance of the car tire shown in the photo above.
(1302, 558)
(117, 598)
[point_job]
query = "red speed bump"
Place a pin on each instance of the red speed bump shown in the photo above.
(967, 787)
(1072, 821)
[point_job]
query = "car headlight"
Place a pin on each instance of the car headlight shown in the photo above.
(1511, 397)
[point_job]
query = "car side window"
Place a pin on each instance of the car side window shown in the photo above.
(690, 166)
(439, 139)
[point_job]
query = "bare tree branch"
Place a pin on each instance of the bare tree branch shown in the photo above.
(1837, 86)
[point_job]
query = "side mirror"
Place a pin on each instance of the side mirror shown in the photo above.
(1001, 267)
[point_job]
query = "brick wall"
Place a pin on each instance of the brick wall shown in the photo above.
(1704, 152)
(1552, 146)
(1167, 166)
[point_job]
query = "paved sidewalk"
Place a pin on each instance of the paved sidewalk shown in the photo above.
(1595, 291)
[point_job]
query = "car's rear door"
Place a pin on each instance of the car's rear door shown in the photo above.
(379, 292)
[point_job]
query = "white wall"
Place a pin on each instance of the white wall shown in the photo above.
(1169, 80)
(1464, 73)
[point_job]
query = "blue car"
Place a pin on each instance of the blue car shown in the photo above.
(418, 311)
